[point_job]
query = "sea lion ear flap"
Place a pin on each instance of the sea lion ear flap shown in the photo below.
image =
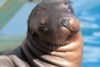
(30, 33)
(28, 30)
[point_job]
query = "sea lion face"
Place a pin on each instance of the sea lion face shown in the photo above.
(54, 23)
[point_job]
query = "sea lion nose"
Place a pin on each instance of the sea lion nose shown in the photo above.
(65, 23)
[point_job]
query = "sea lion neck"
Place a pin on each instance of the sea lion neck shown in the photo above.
(36, 52)
(33, 49)
(39, 55)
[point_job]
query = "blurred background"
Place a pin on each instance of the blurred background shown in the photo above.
(13, 26)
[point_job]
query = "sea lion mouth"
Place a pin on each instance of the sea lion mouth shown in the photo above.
(63, 40)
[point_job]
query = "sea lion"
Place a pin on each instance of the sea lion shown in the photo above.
(53, 38)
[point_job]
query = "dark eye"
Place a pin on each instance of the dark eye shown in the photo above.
(65, 23)
(42, 28)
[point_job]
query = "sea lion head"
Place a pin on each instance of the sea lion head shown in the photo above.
(53, 22)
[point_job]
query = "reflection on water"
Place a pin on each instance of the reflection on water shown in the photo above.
(90, 26)
(91, 56)
(91, 33)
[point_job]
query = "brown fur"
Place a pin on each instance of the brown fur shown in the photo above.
(54, 38)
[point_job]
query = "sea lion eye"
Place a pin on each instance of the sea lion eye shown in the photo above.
(65, 23)
(42, 28)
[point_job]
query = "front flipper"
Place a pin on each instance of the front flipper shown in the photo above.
(12, 61)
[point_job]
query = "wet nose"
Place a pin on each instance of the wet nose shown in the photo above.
(65, 23)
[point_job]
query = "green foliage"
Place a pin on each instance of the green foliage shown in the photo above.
(8, 43)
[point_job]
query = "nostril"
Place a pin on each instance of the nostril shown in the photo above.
(65, 23)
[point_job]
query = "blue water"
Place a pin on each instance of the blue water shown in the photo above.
(90, 25)
(88, 12)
